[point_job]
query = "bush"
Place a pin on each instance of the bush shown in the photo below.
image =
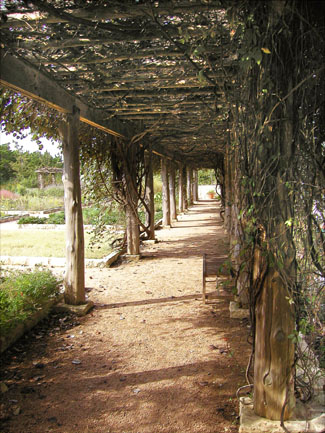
(32, 220)
(56, 218)
(94, 216)
(22, 293)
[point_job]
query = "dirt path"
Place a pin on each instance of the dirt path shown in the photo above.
(151, 358)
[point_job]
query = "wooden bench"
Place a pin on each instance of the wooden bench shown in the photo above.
(211, 271)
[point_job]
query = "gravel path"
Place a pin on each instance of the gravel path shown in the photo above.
(150, 358)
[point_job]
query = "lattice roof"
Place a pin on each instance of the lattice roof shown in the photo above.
(134, 61)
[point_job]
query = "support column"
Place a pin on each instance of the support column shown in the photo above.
(132, 231)
(173, 214)
(189, 173)
(195, 185)
(150, 213)
(185, 199)
(165, 192)
(131, 207)
(181, 181)
(40, 181)
(74, 281)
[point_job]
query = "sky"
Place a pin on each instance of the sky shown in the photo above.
(29, 145)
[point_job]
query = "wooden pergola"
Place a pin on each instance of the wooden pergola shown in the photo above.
(129, 69)
(47, 171)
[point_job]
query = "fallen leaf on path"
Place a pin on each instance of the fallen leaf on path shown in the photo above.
(3, 387)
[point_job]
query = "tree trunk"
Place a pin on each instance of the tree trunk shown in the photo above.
(74, 281)
(150, 199)
(165, 192)
(195, 186)
(189, 189)
(172, 196)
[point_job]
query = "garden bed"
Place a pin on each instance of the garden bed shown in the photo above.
(25, 299)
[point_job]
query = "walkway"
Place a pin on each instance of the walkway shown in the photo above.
(151, 358)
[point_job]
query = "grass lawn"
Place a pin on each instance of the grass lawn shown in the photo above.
(43, 243)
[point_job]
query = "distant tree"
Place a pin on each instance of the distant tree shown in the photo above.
(7, 159)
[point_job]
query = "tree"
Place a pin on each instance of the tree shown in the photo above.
(7, 161)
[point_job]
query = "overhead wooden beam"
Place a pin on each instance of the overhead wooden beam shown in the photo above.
(20, 76)
(99, 14)
(115, 58)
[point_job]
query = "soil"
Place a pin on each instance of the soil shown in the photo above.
(150, 358)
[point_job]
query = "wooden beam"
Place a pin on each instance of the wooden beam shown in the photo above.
(99, 14)
(115, 58)
(20, 76)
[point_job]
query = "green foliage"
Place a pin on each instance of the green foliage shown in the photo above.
(23, 293)
(19, 168)
(7, 158)
(111, 216)
(56, 218)
(206, 177)
(32, 220)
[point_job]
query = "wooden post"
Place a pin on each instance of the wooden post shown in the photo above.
(150, 216)
(274, 351)
(173, 214)
(189, 186)
(165, 192)
(184, 177)
(131, 208)
(74, 281)
(132, 230)
(275, 313)
(40, 180)
(181, 200)
(195, 185)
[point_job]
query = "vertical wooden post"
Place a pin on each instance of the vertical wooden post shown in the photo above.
(40, 180)
(132, 230)
(131, 208)
(165, 192)
(74, 281)
(189, 186)
(184, 176)
(181, 199)
(195, 185)
(173, 214)
(275, 314)
(150, 216)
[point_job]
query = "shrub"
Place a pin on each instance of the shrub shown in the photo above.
(22, 293)
(56, 218)
(32, 220)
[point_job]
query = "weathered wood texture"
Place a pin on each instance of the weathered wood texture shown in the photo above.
(150, 201)
(21, 76)
(74, 281)
(165, 192)
(181, 181)
(172, 196)
(131, 207)
(274, 351)
(189, 187)
(195, 185)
